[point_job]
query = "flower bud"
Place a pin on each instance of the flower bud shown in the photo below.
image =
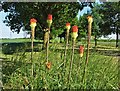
(74, 32)
(49, 19)
(90, 19)
(33, 23)
(81, 50)
(68, 26)
(75, 28)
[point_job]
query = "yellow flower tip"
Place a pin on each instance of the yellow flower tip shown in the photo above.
(74, 35)
(49, 21)
(68, 26)
(90, 19)
(81, 54)
(33, 23)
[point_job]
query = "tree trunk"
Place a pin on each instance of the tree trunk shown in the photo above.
(117, 34)
(95, 41)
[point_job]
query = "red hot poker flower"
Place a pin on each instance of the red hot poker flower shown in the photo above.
(68, 24)
(81, 49)
(90, 19)
(75, 28)
(33, 23)
(33, 20)
(49, 17)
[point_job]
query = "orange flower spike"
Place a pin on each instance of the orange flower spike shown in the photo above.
(33, 20)
(49, 19)
(90, 19)
(81, 50)
(74, 32)
(48, 65)
(33, 23)
(68, 26)
(75, 28)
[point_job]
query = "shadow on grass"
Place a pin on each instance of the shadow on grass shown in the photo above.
(108, 52)
(10, 48)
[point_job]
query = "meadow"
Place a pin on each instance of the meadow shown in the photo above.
(101, 72)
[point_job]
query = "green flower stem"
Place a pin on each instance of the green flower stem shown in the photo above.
(78, 71)
(32, 68)
(71, 63)
(88, 42)
(47, 49)
(66, 46)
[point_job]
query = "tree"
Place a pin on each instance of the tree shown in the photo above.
(97, 21)
(21, 13)
(111, 12)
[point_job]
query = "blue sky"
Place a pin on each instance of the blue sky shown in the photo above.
(5, 31)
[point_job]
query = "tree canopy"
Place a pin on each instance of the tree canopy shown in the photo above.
(21, 12)
(111, 12)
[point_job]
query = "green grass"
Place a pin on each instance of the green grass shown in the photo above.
(102, 69)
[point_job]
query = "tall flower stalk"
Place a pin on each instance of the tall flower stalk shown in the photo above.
(32, 25)
(90, 20)
(74, 36)
(81, 51)
(49, 21)
(66, 45)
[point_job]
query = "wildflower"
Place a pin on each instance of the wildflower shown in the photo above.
(75, 28)
(81, 50)
(33, 23)
(49, 19)
(90, 19)
(68, 26)
(48, 65)
(74, 32)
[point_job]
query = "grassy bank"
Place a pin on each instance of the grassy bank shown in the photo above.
(102, 69)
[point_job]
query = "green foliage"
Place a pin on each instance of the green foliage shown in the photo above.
(83, 26)
(111, 18)
(97, 21)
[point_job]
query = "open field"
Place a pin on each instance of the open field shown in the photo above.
(101, 72)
